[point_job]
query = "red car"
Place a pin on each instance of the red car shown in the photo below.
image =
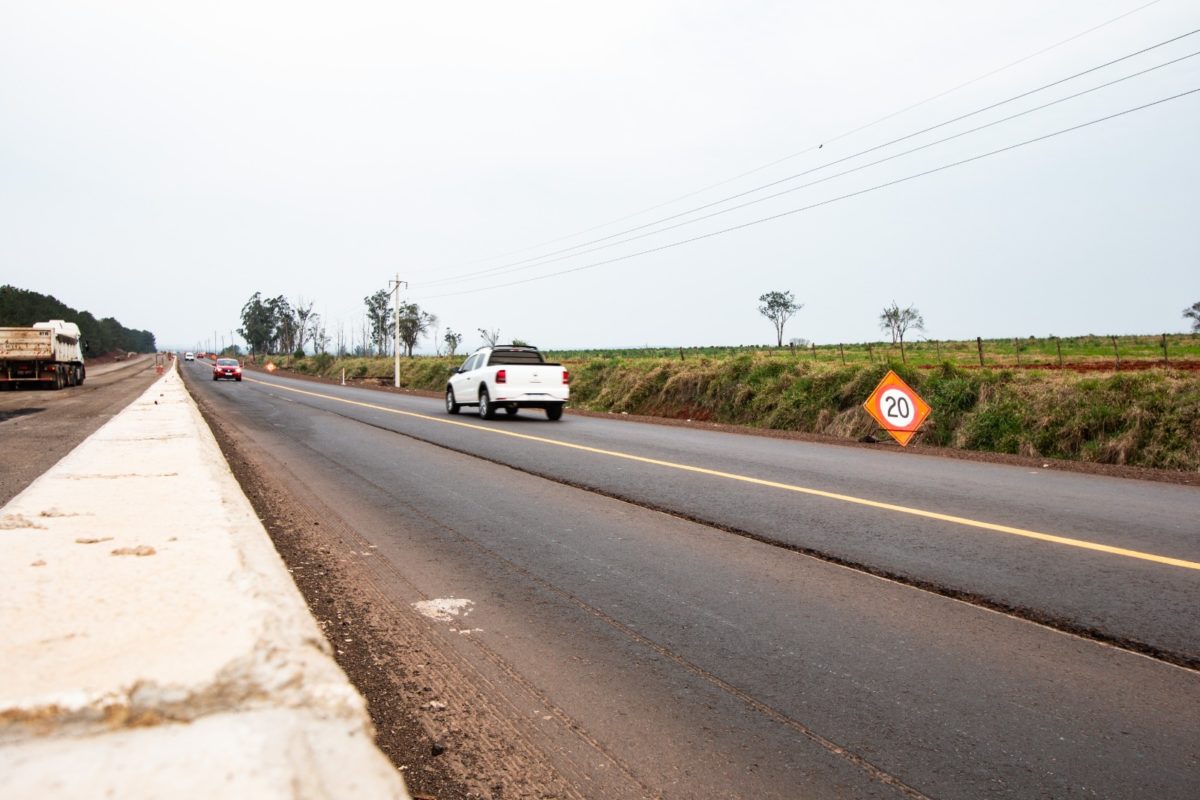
(227, 368)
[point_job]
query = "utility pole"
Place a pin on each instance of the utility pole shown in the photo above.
(396, 333)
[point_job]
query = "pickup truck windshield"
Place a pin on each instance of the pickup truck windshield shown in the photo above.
(515, 357)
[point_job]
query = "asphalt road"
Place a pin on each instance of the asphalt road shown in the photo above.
(684, 613)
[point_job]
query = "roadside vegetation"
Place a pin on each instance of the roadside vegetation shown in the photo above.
(1146, 413)
(1126, 400)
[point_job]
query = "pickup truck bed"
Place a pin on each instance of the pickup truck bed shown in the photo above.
(509, 378)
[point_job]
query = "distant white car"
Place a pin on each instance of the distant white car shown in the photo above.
(508, 377)
(189, 356)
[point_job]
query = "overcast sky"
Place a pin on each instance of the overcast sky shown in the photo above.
(160, 162)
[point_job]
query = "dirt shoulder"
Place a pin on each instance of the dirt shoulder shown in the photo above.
(40, 426)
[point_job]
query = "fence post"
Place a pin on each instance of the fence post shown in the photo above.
(1115, 350)
(1058, 344)
(842, 353)
(979, 344)
(681, 354)
(870, 353)
(938, 345)
(814, 351)
(1166, 358)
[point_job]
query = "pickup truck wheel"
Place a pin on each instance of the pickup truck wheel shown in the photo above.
(486, 409)
(554, 412)
(510, 410)
(451, 406)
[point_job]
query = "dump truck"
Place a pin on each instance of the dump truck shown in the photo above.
(48, 354)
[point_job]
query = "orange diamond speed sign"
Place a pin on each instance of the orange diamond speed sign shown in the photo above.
(897, 408)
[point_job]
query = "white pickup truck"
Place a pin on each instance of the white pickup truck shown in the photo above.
(508, 377)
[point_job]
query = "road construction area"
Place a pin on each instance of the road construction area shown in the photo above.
(155, 645)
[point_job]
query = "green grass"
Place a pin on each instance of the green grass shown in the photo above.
(929, 353)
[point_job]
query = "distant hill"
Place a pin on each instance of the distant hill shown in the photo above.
(20, 308)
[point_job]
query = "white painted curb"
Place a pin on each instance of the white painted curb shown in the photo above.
(153, 642)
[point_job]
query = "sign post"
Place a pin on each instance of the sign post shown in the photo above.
(897, 408)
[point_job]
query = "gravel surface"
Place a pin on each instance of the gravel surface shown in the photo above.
(39, 426)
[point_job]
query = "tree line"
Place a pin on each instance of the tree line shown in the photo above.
(20, 308)
(277, 325)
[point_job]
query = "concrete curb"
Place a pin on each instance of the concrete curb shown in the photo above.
(154, 644)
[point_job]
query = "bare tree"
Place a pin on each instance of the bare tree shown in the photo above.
(304, 325)
(898, 321)
(489, 337)
(889, 319)
(319, 334)
(778, 307)
(437, 337)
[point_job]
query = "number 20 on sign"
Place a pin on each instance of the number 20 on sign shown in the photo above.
(897, 408)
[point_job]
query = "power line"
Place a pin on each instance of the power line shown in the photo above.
(547, 258)
(829, 201)
(839, 137)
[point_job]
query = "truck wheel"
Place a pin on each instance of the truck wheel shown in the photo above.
(554, 412)
(82, 375)
(451, 406)
(510, 410)
(486, 409)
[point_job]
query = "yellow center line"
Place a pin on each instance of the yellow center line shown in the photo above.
(860, 501)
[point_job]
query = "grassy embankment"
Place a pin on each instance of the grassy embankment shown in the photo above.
(1148, 417)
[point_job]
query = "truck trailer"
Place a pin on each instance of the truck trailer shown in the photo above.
(48, 354)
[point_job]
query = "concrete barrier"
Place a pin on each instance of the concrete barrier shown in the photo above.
(153, 642)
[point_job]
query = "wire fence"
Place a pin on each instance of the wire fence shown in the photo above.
(1080, 353)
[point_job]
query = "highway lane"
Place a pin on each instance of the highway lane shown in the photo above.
(673, 658)
(1121, 597)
